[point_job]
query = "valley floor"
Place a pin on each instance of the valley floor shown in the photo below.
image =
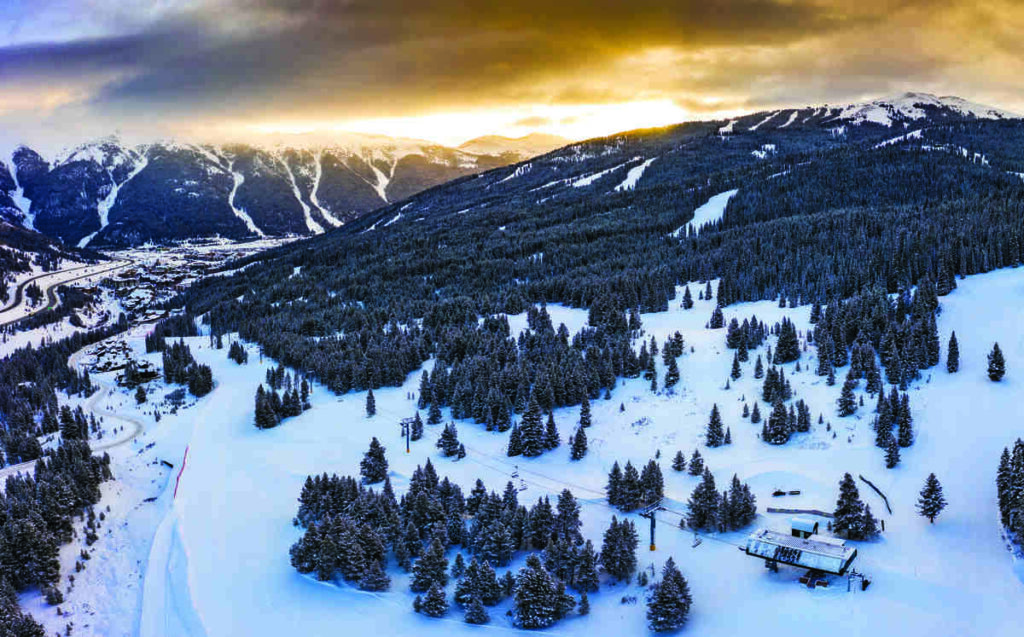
(214, 559)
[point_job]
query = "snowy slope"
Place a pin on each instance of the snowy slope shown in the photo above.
(231, 521)
(710, 212)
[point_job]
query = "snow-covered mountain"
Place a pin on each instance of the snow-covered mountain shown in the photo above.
(107, 193)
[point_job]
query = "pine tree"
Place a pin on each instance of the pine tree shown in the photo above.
(758, 368)
(687, 298)
(551, 438)
(371, 404)
(585, 412)
(996, 364)
(669, 605)
(755, 414)
(434, 414)
(140, 395)
(430, 569)
(618, 552)
(614, 486)
(374, 579)
(585, 577)
(849, 513)
(531, 429)
(892, 453)
(953, 355)
(736, 371)
(435, 604)
(672, 373)
(847, 401)
(374, 466)
(448, 441)
(931, 502)
(579, 444)
(417, 428)
(703, 504)
(584, 599)
(537, 602)
(714, 436)
(696, 464)
(679, 462)
(476, 613)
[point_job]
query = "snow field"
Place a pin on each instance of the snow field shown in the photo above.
(225, 571)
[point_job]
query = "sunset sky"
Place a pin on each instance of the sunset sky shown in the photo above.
(448, 70)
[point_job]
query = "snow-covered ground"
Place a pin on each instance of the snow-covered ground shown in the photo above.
(215, 559)
(710, 212)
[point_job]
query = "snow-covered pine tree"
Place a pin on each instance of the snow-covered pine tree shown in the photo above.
(374, 579)
(435, 604)
(374, 465)
(371, 404)
(849, 512)
(431, 568)
(614, 486)
(953, 355)
(476, 613)
(652, 483)
(531, 429)
(551, 438)
(671, 373)
(434, 414)
(715, 436)
(618, 552)
(931, 501)
(630, 493)
(755, 414)
(847, 401)
(892, 452)
(669, 604)
(687, 298)
(703, 504)
(585, 418)
(536, 601)
(679, 462)
(696, 464)
(996, 364)
(579, 444)
(448, 442)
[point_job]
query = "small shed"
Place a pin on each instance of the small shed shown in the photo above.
(804, 526)
(827, 554)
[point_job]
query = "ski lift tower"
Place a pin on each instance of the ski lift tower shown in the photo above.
(648, 512)
(406, 424)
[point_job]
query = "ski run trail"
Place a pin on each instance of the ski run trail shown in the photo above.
(214, 560)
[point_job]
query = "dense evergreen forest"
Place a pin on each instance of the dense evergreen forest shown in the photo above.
(818, 221)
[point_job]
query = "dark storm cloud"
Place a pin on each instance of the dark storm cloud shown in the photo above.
(280, 59)
(310, 56)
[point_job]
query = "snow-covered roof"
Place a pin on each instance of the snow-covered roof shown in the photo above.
(825, 554)
(804, 523)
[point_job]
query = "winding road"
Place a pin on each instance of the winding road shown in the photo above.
(51, 290)
(105, 390)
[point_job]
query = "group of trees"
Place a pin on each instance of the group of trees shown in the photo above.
(1010, 489)
(531, 437)
(273, 407)
(628, 489)
(726, 511)
(353, 531)
(893, 411)
(38, 518)
(182, 369)
(852, 518)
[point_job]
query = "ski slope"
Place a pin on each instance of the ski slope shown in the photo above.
(219, 564)
(710, 212)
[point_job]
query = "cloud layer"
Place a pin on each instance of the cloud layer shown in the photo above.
(194, 64)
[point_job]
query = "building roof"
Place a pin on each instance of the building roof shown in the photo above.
(804, 523)
(825, 554)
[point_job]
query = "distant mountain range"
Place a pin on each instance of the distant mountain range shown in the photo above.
(109, 194)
